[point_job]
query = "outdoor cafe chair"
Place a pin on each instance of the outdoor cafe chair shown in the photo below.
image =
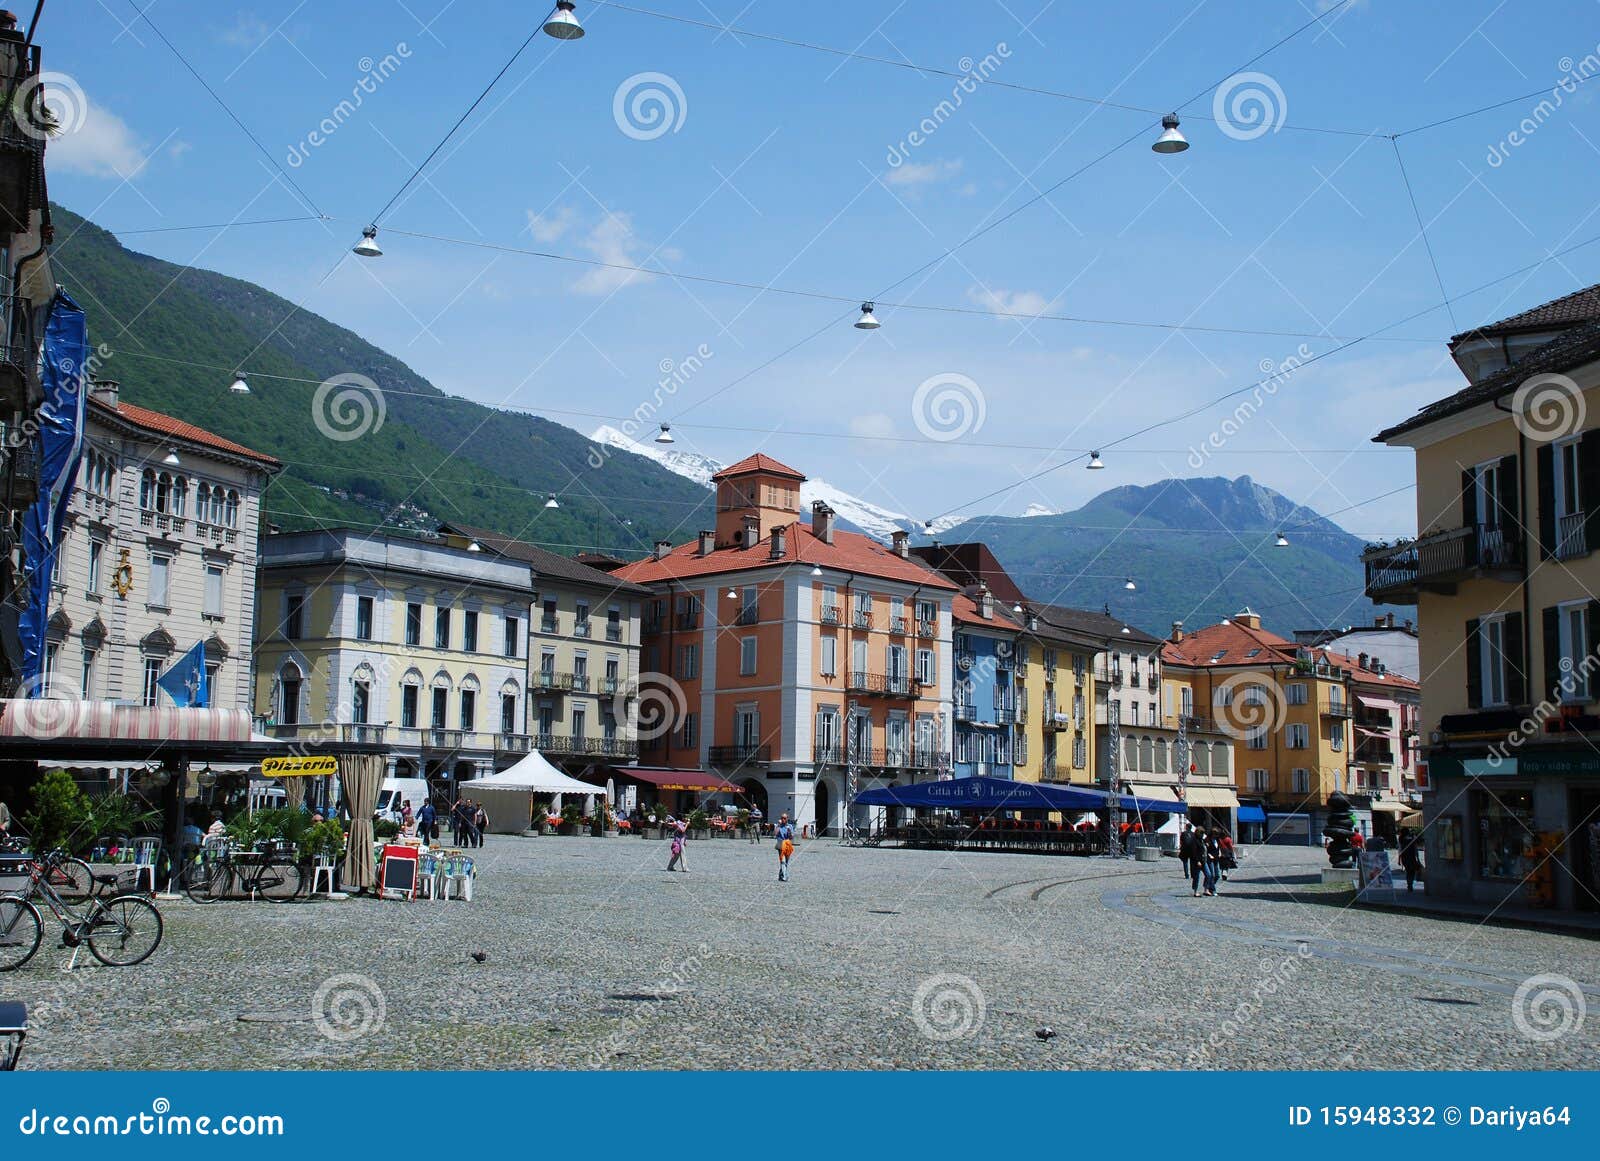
(146, 849)
(458, 875)
(428, 868)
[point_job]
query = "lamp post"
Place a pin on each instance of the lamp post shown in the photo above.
(1113, 799)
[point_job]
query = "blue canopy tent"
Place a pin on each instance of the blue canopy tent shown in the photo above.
(1004, 794)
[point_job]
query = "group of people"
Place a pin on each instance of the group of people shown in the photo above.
(783, 835)
(468, 821)
(1206, 856)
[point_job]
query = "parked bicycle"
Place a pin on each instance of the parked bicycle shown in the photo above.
(119, 930)
(222, 872)
(71, 877)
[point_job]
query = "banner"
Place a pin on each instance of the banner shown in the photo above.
(60, 423)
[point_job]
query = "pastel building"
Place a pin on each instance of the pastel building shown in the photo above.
(985, 697)
(788, 656)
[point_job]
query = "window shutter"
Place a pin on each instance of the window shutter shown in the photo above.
(1552, 651)
(1469, 497)
(1510, 488)
(1593, 643)
(1589, 486)
(1545, 462)
(1474, 666)
(1516, 670)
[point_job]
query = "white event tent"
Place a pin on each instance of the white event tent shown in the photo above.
(507, 797)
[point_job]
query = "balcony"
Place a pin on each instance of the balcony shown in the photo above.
(610, 685)
(688, 620)
(613, 632)
(1004, 715)
(1571, 538)
(547, 625)
(747, 617)
(897, 626)
(927, 629)
(513, 743)
(362, 732)
(652, 626)
(580, 683)
(739, 755)
(879, 684)
(549, 681)
(22, 471)
(1438, 561)
(964, 712)
(582, 629)
(826, 752)
(861, 619)
(577, 744)
(442, 739)
(1337, 709)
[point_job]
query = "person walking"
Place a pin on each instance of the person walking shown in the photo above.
(1411, 857)
(1211, 861)
(480, 823)
(680, 832)
(427, 826)
(1227, 861)
(755, 823)
(1187, 842)
(784, 833)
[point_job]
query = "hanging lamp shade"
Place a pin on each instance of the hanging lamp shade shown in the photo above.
(1171, 140)
(239, 386)
(666, 434)
(1281, 542)
(1130, 586)
(1094, 464)
(368, 246)
(551, 503)
(172, 459)
(867, 321)
(563, 22)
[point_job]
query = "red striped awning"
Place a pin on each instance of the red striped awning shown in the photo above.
(50, 719)
(665, 778)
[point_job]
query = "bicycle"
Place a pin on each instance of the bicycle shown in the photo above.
(119, 931)
(72, 878)
(266, 872)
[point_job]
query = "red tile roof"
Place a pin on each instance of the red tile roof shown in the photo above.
(154, 421)
(1236, 641)
(849, 552)
(1578, 307)
(758, 463)
(965, 611)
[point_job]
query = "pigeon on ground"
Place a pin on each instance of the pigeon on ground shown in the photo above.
(1045, 1033)
(480, 956)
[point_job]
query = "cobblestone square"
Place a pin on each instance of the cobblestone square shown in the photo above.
(595, 957)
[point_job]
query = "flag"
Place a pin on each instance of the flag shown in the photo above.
(185, 682)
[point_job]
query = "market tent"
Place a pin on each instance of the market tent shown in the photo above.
(1004, 794)
(507, 797)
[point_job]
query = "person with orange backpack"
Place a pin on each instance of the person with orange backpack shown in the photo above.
(784, 833)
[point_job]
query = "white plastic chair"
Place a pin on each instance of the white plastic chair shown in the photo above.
(428, 877)
(322, 872)
(145, 851)
(458, 874)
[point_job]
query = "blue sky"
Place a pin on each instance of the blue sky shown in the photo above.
(778, 171)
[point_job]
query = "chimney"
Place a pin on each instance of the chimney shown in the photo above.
(1361, 660)
(985, 602)
(663, 547)
(708, 541)
(778, 552)
(1248, 619)
(104, 390)
(751, 532)
(1177, 630)
(900, 541)
(822, 521)
(1388, 620)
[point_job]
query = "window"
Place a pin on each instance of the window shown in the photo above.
(1257, 780)
(1490, 649)
(689, 733)
(547, 623)
(747, 656)
(408, 707)
(1336, 735)
(160, 574)
(925, 666)
(858, 656)
(894, 659)
(413, 624)
(363, 618)
(1295, 693)
(580, 621)
(613, 673)
(469, 631)
(1505, 832)
(750, 605)
(1299, 735)
(213, 596)
(688, 662)
(294, 613)
(441, 701)
(1568, 488)
(1256, 738)
(1571, 677)
(580, 671)
(827, 737)
(1300, 781)
(513, 636)
(830, 656)
(1224, 696)
(288, 697)
(1080, 752)
(97, 552)
(508, 713)
(152, 674)
(441, 627)
(746, 727)
(360, 702)
(469, 710)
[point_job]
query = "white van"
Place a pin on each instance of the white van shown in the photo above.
(397, 792)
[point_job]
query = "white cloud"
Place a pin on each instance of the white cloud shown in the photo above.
(914, 174)
(247, 31)
(549, 227)
(102, 146)
(611, 240)
(874, 425)
(1008, 301)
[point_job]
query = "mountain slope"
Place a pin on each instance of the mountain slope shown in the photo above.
(434, 457)
(863, 515)
(1198, 550)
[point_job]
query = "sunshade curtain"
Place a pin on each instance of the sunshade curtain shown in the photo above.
(361, 777)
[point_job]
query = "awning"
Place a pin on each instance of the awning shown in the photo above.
(1412, 821)
(1155, 795)
(1391, 808)
(1252, 814)
(49, 718)
(1004, 794)
(1382, 704)
(1213, 798)
(664, 778)
(1367, 733)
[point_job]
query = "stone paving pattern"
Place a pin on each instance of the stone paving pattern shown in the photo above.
(598, 958)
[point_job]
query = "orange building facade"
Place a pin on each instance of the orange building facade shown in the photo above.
(782, 655)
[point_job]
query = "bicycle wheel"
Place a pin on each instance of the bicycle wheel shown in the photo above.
(21, 929)
(206, 882)
(71, 879)
(125, 931)
(279, 882)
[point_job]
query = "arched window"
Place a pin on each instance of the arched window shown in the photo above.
(180, 496)
(202, 502)
(1202, 757)
(164, 492)
(1161, 756)
(1147, 754)
(147, 490)
(231, 517)
(289, 684)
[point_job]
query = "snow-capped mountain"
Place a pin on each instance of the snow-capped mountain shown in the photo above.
(873, 519)
(1039, 510)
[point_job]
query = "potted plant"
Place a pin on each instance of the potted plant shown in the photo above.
(699, 824)
(571, 818)
(744, 822)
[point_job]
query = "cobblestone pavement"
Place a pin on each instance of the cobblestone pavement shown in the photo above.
(595, 957)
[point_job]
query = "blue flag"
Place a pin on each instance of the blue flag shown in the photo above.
(60, 421)
(185, 682)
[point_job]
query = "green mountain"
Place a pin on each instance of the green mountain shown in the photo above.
(1198, 550)
(435, 457)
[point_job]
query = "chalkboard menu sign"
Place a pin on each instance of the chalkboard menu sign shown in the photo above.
(398, 875)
